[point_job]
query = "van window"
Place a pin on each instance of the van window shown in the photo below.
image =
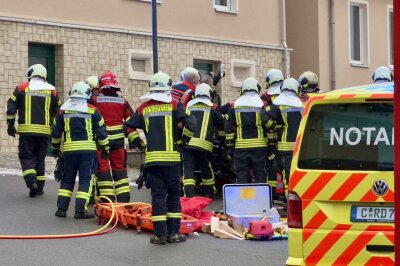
(356, 136)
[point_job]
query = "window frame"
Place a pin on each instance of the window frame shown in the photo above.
(140, 54)
(364, 33)
(390, 37)
(242, 62)
(231, 7)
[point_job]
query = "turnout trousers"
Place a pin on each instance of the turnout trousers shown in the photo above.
(75, 162)
(245, 161)
(165, 193)
(115, 184)
(191, 158)
(284, 165)
(32, 152)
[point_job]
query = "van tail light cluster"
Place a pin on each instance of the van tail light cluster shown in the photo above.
(295, 212)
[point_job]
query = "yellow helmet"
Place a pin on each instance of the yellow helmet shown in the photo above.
(93, 82)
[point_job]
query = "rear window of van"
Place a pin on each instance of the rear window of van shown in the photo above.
(356, 136)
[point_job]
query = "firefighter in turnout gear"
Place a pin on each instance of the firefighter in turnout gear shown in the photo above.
(81, 124)
(197, 152)
(115, 110)
(245, 132)
(37, 103)
(273, 79)
(284, 118)
(159, 118)
(184, 91)
(309, 85)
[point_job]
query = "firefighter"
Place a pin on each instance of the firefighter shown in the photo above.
(284, 119)
(184, 91)
(199, 149)
(159, 118)
(81, 124)
(382, 74)
(273, 78)
(245, 133)
(309, 85)
(37, 103)
(93, 82)
(115, 110)
(213, 81)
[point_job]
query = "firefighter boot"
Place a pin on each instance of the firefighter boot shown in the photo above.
(209, 191)
(83, 215)
(40, 191)
(33, 190)
(158, 240)
(189, 191)
(61, 212)
(176, 238)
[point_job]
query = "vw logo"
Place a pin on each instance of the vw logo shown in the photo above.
(380, 187)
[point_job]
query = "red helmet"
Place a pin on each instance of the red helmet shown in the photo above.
(108, 80)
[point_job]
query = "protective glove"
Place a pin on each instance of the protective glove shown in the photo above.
(56, 152)
(137, 143)
(11, 131)
(179, 145)
(104, 154)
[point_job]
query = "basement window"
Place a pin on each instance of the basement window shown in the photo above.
(140, 64)
(241, 70)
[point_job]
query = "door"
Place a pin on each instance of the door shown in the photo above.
(43, 54)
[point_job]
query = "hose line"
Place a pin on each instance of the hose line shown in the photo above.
(100, 231)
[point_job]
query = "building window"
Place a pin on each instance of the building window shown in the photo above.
(390, 33)
(358, 24)
(241, 70)
(231, 6)
(140, 64)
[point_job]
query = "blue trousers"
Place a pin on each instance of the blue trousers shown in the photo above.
(82, 162)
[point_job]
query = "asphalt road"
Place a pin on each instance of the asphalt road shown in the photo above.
(21, 215)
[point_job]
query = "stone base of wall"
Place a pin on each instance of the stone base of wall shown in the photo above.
(81, 53)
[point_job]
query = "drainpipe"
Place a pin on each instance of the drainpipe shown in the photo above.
(332, 43)
(286, 67)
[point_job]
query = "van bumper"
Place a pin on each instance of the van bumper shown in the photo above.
(295, 247)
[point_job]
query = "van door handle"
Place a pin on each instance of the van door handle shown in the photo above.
(380, 248)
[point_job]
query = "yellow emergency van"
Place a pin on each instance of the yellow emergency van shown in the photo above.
(341, 188)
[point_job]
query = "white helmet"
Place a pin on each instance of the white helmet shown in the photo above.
(36, 70)
(203, 90)
(309, 82)
(160, 82)
(93, 82)
(250, 84)
(290, 84)
(382, 74)
(80, 90)
(273, 76)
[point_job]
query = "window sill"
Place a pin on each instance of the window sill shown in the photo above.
(223, 10)
(237, 83)
(139, 76)
(149, 1)
(359, 65)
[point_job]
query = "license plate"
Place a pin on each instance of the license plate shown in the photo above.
(372, 214)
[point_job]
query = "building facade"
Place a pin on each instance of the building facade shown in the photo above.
(343, 41)
(78, 38)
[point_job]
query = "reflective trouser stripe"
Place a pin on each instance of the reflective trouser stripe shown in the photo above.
(40, 177)
(29, 171)
(104, 183)
(65, 193)
(189, 182)
(175, 215)
(105, 192)
(83, 195)
(124, 189)
(122, 181)
(208, 182)
(159, 218)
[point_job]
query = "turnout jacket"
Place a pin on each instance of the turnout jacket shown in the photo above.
(245, 127)
(36, 110)
(115, 110)
(209, 122)
(159, 121)
(80, 130)
(183, 92)
(285, 122)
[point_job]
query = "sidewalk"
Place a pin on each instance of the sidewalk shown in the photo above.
(10, 162)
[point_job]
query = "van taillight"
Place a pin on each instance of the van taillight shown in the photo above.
(295, 214)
